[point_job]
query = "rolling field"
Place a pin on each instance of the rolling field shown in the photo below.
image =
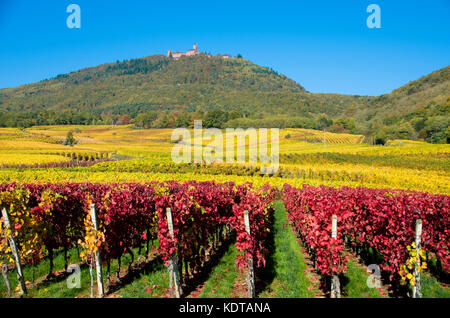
(343, 160)
(121, 164)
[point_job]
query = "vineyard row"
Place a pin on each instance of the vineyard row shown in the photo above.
(380, 219)
(44, 218)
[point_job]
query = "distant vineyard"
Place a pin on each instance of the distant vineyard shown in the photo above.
(317, 136)
(402, 165)
(52, 159)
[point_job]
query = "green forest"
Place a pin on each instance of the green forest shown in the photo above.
(159, 92)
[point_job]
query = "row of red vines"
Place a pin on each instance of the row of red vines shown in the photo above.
(379, 218)
(130, 214)
(260, 218)
(310, 214)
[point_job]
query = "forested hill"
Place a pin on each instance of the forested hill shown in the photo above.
(197, 83)
(157, 91)
(433, 88)
(417, 110)
(157, 80)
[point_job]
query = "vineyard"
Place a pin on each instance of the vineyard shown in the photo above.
(145, 155)
(382, 220)
(311, 135)
(274, 237)
(46, 218)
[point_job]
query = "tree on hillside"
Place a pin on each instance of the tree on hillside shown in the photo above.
(183, 120)
(198, 115)
(234, 114)
(322, 121)
(215, 118)
(346, 125)
(404, 130)
(437, 129)
(164, 120)
(123, 120)
(145, 120)
(70, 140)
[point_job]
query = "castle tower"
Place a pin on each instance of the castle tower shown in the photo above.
(195, 47)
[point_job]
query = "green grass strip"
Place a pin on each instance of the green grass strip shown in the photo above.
(40, 270)
(289, 266)
(220, 282)
(152, 283)
(431, 288)
(354, 283)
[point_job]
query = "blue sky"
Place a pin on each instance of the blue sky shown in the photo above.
(323, 45)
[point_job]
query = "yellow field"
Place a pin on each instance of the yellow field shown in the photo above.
(304, 158)
(28, 158)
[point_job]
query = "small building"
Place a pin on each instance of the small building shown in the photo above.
(177, 55)
(193, 52)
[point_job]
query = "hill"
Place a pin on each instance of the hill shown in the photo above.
(198, 83)
(158, 91)
(419, 109)
(156, 80)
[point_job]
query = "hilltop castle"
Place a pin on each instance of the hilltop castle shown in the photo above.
(193, 52)
(177, 55)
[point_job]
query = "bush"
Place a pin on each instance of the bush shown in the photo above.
(70, 140)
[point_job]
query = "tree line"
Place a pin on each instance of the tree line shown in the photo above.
(429, 123)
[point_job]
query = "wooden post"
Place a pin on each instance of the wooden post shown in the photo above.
(50, 258)
(33, 271)
(334, 226)
(250, 274)
(92, 276)
(173, 262)
(417, 292)
(147, 251)
(5, 277)
(98, 263)
(335, 284)
(12, 244)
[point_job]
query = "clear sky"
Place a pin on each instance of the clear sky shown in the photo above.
(325, 46)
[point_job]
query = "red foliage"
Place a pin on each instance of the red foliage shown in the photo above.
(128, 213)
(380, 218)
